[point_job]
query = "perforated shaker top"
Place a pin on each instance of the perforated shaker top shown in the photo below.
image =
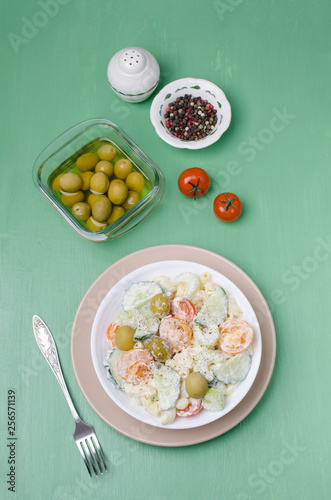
(132, 61)
(133, 71)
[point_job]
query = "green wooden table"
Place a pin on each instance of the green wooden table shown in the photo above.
(272, 59)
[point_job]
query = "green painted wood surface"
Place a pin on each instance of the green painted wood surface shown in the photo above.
(272, 59)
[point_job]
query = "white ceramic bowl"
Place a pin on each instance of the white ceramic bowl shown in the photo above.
(196, 87)
(108, 311)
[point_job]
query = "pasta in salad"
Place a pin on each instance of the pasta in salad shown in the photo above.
(178, 346)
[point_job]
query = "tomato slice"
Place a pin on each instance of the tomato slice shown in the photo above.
(135, 366)
(111, 332)
(193, 408)
(236, 336)
(176, 332)
(183, 309)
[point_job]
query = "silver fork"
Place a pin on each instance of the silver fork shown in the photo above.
(84, 434)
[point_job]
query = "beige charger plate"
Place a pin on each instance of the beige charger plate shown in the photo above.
(89, 383)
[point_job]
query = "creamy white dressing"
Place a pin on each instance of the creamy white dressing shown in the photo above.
(185, 361)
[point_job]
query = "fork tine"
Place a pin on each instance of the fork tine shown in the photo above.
(87, 452)
(83, 457)
(94, 453)
(99, 450)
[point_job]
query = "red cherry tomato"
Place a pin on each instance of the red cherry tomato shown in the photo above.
(227, 207)
(111, 332)
(193, 182)
(183, 309)
(193, 408)
(176, 333)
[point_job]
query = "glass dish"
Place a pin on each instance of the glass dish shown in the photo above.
(84, 137)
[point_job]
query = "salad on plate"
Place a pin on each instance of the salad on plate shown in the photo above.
(179, 346)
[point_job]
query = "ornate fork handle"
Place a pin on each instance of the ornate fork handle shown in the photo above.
(47, 346)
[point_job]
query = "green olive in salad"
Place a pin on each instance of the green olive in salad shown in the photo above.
(196, 385)
(159, 348)
(124, 338)
(160, 305)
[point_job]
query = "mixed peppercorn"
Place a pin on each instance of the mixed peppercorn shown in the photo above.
(190, 118)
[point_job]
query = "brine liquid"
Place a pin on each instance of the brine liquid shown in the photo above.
(69, 165)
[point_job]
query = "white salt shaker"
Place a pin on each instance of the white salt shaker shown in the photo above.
(133, 74)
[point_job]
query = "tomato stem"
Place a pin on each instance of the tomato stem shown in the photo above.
(228, 203)
(195, 189)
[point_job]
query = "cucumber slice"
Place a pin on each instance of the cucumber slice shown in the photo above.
(214, 399)
(213, 382)
(139, 294)
(215, 310)
(192, 281)
(167, 384)
(141, 320)
(208, 336)
(234, 369)
(205, 361)
(110, 364)
(167, 293)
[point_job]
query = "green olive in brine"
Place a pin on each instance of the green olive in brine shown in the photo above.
(117, 192)
(86, 177)
(101, 209)
(69, 199)
(99, 183)
(122, 168)
(105, 166)
(81, 210)
(116, 214)
(107, 152)
(135, 182)
(132, 200)
(70, 182)
(87, 162)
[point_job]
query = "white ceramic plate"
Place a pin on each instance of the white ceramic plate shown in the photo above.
(108, 311)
